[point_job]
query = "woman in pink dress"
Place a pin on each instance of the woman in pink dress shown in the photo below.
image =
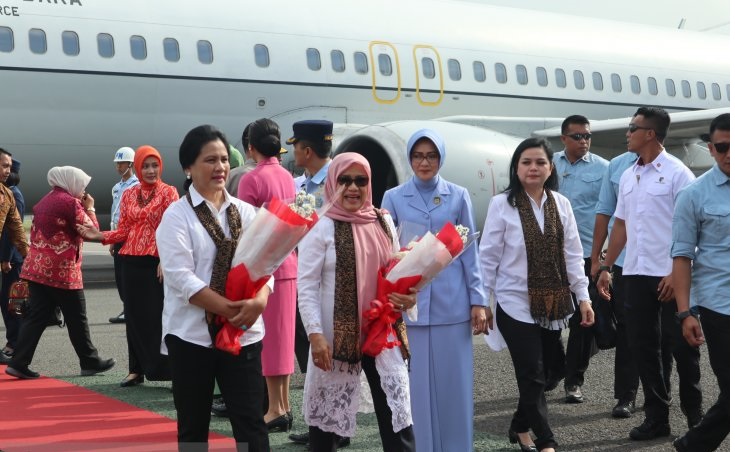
(266, 181)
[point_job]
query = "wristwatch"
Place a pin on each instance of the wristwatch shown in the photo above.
(683, 315)
(605, 268)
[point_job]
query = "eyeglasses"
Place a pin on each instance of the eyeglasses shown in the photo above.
(632, 128)
(431, 158)
(580, 136)
(360, 181)
(722, 147)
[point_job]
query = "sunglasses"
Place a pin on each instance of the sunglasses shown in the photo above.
(360, 181)
(632, 128)
(722, 147)
(580, 136)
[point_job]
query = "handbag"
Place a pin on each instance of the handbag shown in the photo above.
(18, 298)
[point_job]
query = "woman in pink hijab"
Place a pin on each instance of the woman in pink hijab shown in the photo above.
(337, 273)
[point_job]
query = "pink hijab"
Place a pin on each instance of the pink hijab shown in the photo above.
(373, 249)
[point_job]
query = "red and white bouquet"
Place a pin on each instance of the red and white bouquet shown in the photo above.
(270, 238)
(413, 266)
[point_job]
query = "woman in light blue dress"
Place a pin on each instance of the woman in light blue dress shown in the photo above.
(450, 309)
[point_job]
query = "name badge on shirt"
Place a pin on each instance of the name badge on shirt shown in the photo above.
(437, 200)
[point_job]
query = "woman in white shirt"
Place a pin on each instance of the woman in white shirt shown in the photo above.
(196, 241)
(337, 279)
(531, 259)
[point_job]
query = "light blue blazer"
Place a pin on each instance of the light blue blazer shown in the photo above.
(449, 298)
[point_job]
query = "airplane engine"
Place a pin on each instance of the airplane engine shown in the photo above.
(476, 158)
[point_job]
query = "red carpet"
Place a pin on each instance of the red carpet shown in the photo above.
(51, 415)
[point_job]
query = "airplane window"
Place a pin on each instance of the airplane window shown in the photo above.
(578, 79)
(652, 86)
(6, 39)
(361, 63)
(541, 77)
(138, 49)
(521, 74)
(384, 64)
(427, 67)
(635, 84)
(561, 78)
(171, 50)
(716, 93)
(597, 81)
(70, 43)
(262, 57)
(670, 87)
(313, 59)
(500, 74)
(204, 52)
(455, 70)
(686, 89)
(105, 45)
(37, 40)
(701, 91)
(479, 69)
(338, 60)
(617, 84)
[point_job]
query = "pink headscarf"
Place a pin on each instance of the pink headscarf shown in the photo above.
(373, 249)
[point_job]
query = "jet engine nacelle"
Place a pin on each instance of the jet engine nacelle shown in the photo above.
(476, 158)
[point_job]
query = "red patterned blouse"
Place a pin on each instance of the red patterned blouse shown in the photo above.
(55, 255)
(141, 210)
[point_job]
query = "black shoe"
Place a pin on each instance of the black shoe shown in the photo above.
(219, 408)
(342, 441)
(299, 438)
(623, 409)
(279, 424)
(118, 318)
(513, 438)
(650, 429)
(694, 418)
(289, 415)
(102, 366)
(681, 444)
(4, 359)
(22, 373)
(574, 394)
(135, 381)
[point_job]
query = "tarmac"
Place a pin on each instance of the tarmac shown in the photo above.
(578, 427)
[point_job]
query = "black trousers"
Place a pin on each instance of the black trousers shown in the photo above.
(657, 336)
(240, 378)
(143, 301)
(715, 426)
(301, 344)
(118, 271)
(12, 322)
(581, 341)
(626, 371)
(530, 347)
(402, 441)
(43, 301)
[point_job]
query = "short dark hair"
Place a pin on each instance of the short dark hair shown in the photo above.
(13, 179)
(721, 122)
(265, 136)
(658, 119)
(515, 187)
(245, 136)
(574, 119)
(322, 148)
(3, 151)
(193, 143)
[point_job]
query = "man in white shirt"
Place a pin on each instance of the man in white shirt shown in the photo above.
(643, 224)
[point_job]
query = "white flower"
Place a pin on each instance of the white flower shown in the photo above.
(304, 204)
(463, 232)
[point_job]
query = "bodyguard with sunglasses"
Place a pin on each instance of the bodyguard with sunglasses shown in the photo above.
(580, 178)
(702, 235)
(643, 223)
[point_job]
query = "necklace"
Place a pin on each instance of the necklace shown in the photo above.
(144, 202)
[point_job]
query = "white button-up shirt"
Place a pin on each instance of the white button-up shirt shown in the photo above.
(187, 258)
(646, 204)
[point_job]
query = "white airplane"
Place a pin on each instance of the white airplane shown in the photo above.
(80, 78)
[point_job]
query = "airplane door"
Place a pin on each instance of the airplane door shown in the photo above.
(386, 72)
(429, 75)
